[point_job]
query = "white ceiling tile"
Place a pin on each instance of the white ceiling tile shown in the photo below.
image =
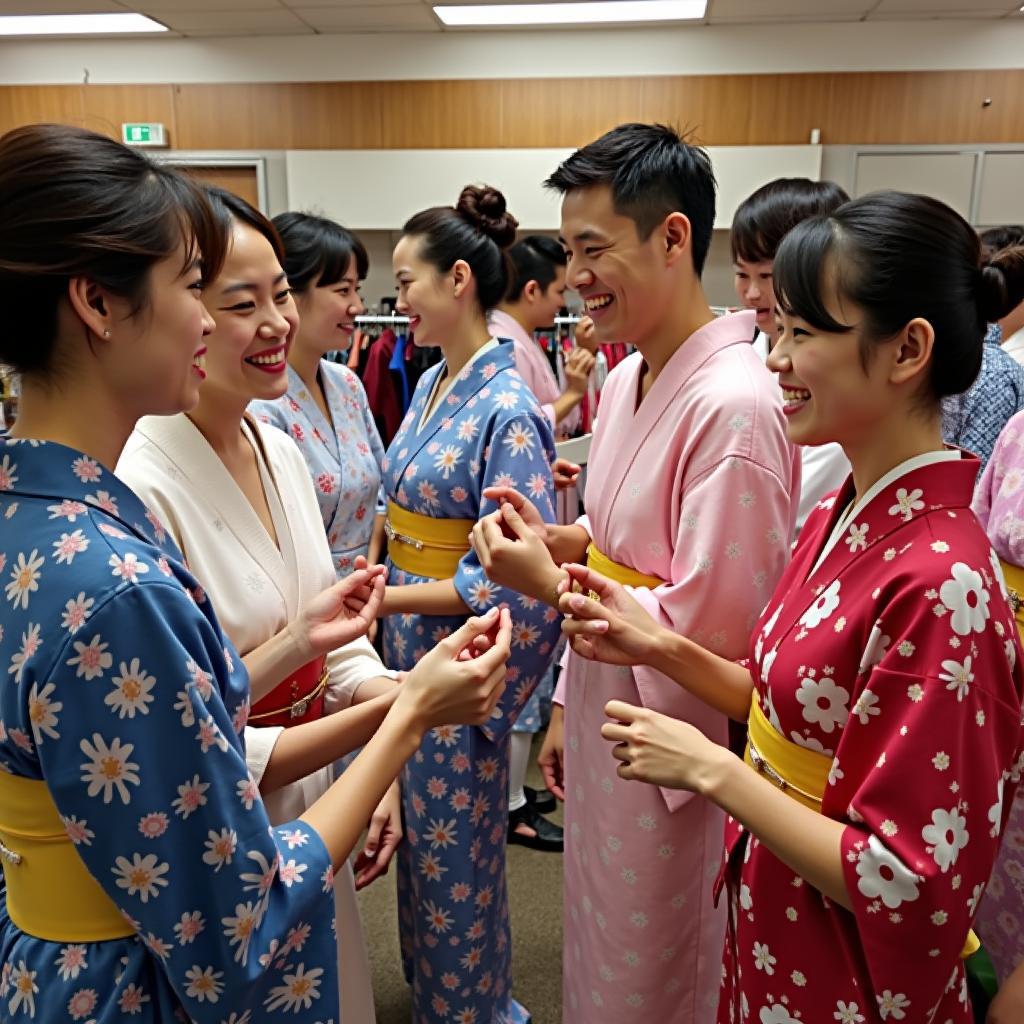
(964, 15)
(809, 10)
(240, 22)
(342, 4)
(402, 18)
(211, 6)
(933, 7)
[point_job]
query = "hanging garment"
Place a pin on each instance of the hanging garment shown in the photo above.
(381, 393)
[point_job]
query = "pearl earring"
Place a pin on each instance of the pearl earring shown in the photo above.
(106, 333)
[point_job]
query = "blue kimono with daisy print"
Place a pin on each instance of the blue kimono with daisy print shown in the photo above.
(453, 900)
(119, 690)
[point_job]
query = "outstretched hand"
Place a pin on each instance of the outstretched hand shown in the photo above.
(514, 556)
(342, 612)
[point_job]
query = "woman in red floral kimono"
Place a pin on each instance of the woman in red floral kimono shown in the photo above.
(884, 683)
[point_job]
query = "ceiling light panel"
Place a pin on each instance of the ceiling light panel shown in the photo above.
(76, 24)
(602, 12)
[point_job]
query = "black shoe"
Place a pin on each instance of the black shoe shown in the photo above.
(549, 837)
(542, 800)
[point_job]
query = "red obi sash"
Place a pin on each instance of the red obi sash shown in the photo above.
(300, 698)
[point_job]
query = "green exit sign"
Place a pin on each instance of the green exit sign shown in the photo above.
(143, 134)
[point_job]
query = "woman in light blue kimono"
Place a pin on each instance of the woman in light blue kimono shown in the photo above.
(141, 877)
(472, 423)
(325, 410)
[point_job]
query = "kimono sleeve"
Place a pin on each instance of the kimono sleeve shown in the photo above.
(517, 452)
(146, 769)
(1006, 458)
(925, 774)
(731, 545)
(348, 667)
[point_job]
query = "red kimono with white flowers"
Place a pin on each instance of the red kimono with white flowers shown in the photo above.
(897, 656)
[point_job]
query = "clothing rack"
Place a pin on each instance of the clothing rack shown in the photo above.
(379, 318)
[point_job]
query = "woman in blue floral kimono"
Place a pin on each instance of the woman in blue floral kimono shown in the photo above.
(325, 410)
(472, 424)
(141, 877)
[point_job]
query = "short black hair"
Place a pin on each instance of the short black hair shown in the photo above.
(766, 216)
(318, 251)
(897, 257)
(652, 172)
(533, 258)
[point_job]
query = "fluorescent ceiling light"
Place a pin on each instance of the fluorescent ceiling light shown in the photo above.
(76, 24)
(594, 13)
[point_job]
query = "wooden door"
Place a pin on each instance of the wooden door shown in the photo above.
(240, 180)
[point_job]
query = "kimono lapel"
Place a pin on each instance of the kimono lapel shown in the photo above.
(921, 490)
(75, 481)
(191, 456)
(470, 388)
(320, 430)
(636, 427)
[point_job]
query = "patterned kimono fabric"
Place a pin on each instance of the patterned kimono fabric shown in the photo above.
(999, 505)
(691, 488)
(453, 897)
(163, 893)
(343, 453)
(890, 647)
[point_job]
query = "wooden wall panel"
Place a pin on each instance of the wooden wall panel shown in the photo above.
(107, 107)
(441, 115)
(243, 181)
(553, 112)
(940, 107)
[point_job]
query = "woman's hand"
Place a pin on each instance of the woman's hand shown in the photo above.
(585, 334)
(382, 839)
(565, 474)
(513, 555)
(551, 759)
(662, 750)
(461, 680)
(341, 613)
(578, 366)
(1008, 1005)
(614, 628)
(526, 508)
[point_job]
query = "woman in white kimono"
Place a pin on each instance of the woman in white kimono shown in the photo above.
(237, 498)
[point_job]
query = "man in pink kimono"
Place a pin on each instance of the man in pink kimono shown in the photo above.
(690, 500)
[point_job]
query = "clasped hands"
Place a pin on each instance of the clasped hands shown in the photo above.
(604, 623)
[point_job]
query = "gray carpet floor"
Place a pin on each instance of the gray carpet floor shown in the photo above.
(535, 894)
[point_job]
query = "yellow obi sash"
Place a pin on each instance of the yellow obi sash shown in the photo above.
(50, 893)
(600, 562)
(800, 773)
(425, 546)
(1014, 576)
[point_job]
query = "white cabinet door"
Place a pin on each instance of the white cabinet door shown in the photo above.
(946, 176)
(1002, 189)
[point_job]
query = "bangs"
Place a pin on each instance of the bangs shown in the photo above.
(806, 268)
(746, 239)
(337, 251)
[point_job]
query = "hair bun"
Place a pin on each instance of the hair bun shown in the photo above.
(1001, 283)
(484, 207)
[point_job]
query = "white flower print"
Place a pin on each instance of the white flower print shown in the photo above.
(957, 677)
(220, 848)
(946, 836)
(875, 650)
(882, 875)
(30, 644)
(203, 984)
(892, 1005)
(825, 703)
(141, 875)
(299, 990)
(481, 593)
(966, 597)
(866, 707)
(907, 503)
(189, 927)
(82, 1003)
(763, 959)
(78, 831)
(777, 1013)
(69, 510)
(87, 470)
(858, 537)
(128, 568)
(42, 712)
(91, 659)
(131, 1000)
(766, 663)
(76, 612)
(24, 578)
(131, 691)
(519, 440)
(241, 928)
(997, 572)
(69, 545)
(447, 460)
(191, 796)
(8, 476)
(108, 768)
(848, 1013)
(23, 981)
(506, 400)
(468, 428)
(823, 607)
(995, 812)
(71, 962)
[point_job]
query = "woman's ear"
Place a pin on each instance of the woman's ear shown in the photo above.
(913, 352)
(462, 276)
(90, 306)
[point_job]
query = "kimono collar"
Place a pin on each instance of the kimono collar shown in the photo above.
(504, 325)
(917, 487)
(45, 469)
